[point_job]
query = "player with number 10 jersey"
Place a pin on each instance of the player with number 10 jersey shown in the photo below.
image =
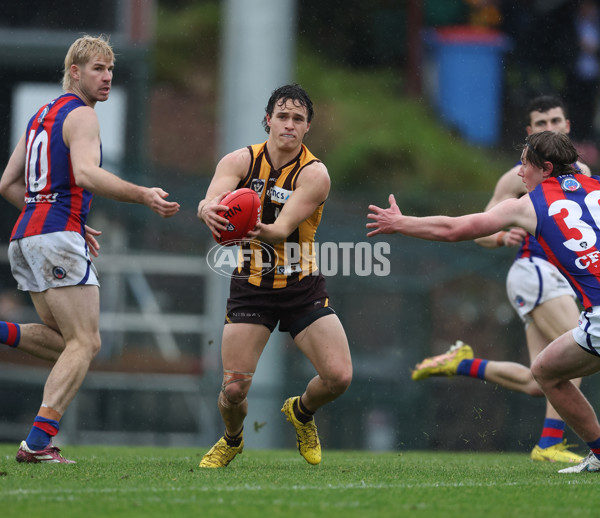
(53, 201)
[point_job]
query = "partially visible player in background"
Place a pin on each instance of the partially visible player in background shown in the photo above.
(538, 292)
(293, 185)
(561, 210)
(51, 177)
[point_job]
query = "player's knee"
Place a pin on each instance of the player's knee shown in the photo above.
(87, 347)
(530, 386)
(95, 345)
(538, 372)
(340, 380)
(232, 400)
(235, 387)
(234, 394)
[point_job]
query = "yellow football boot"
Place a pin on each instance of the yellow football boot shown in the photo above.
(307, 438)
(221, 454)
(443, 364)
(557, 453)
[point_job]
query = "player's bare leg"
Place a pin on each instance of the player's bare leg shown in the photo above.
(241, 348)
(74, 311)
(553, 370)
(459, 360)
(325, 344)
(38, 340)
(513, 376)
(550, 320)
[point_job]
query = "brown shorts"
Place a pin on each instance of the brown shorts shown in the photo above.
(294, 307)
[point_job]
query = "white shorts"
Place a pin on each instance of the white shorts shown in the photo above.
(587, 332)
(533, 281)
(51, 260)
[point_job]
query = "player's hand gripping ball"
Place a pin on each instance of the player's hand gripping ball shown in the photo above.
(243, 215)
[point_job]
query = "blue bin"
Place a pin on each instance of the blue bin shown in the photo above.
(468, 93)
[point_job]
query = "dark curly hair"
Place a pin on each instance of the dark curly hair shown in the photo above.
(292, 92)
(542, 104)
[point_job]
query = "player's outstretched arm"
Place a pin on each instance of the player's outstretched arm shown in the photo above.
(385, 221)
(81, 133)
(444, 228)
(155, 199)
(509, 186)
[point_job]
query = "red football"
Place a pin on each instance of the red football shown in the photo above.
(243, 214)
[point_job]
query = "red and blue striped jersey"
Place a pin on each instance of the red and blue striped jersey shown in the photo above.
(53, 201)
(530, 247)
(568, 229)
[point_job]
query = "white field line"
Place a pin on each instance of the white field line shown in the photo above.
(62, 493)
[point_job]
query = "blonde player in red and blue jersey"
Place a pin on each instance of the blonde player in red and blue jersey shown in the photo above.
(539, 294)
(562, 210)
(51, 177)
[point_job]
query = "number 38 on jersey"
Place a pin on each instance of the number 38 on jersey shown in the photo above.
(571, 215)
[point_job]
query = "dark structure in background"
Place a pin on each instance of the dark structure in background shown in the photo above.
(34, 37)
(436, 293)
(540, 56)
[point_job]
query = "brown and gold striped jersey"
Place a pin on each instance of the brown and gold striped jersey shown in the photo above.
(287, 262)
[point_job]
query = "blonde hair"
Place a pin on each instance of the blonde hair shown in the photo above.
(82, 51)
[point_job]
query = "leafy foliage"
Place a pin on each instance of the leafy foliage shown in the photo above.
(187, 41)
(366, 130)
(369, 134)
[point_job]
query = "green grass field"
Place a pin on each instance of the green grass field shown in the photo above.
(166, 482)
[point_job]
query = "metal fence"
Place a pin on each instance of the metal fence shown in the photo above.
(157, 377)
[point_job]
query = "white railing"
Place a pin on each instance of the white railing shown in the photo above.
(195, 392)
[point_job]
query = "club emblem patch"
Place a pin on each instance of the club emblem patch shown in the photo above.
(59, 272)
(257, 185)
(569, 184)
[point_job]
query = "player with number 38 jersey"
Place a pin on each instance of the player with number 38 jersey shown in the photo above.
(53, 201)
(562, 210)
(568, 221)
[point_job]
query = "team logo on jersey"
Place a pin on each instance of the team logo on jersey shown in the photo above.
(258, 186)
(569, 184)
(59, 272)
(43, 114)
(280, 195)
(289, 269)
(519, 301)
(42, 198)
